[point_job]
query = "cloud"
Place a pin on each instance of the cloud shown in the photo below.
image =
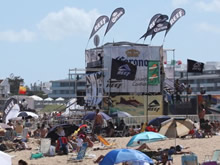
(178, 3)
(206, 27)
(13, 36)
(67, 22)
(212, 6)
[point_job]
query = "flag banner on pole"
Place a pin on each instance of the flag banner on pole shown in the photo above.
(116, 14)
(175, 16)
(122, 70)
(151, 26)
(153, 73)
(101, 21)
(159, 28)
(22, 90)
(194, 66)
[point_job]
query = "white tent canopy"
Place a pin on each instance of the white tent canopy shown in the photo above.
(60, 99)
(5, 158)
(48, 99)
(73, 108)
(36, 98)
(13, 113)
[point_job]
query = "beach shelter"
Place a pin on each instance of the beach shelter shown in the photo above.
(125, 155)
(48, 99)
(25, 114)
(91, 116)
(120, 114)
(60, 99)
(36, 98)
(145, 137)
(5, 159)
(158, 120)
(173, 128)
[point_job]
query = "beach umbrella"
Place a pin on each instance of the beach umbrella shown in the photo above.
(124, 155)
(26, 115)
(68, 129)
(120, 114)
(145, 137)
(158, 120)
(91, 116)
(173, 128)
(5, 158)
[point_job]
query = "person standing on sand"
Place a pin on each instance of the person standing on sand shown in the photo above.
(202, 115)
(98, 123)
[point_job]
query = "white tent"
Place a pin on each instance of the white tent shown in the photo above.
(60, 99)
(48, 99)
(5, 158)
(36, 98)
(73, 108)
(13, 113)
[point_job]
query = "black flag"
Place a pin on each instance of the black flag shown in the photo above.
(159, 28)
(122, 70)
(175, 16)
(116, 14)
(151, 25)
(194, 66)
(102, 20)
(8, 106)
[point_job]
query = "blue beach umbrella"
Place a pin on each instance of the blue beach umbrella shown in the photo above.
(91, 116)
(157, 121)
(124, 155)
(145, 137)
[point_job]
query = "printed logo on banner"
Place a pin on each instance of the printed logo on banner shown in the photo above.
(154, 106)
(197, 66)
(132, 53)
(114, 84)
(124, 70)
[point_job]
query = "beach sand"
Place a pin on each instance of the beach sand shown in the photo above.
(201, 147)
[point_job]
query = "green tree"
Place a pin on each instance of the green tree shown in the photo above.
(15, 82)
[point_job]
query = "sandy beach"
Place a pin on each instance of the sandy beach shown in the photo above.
(201, 147)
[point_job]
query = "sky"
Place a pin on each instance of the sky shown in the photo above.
(41, 40)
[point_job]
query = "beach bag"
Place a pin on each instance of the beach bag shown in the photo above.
(3, 147)
(52, 151)
(37, 155)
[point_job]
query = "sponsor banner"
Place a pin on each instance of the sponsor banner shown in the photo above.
(175, 16)
(155, 104)
(116, 14)
(138, 55)
(101, 21)
(94, 89)
(122, 70)
(194, 66)
(153, 77)
(8, 107)
(135, 105)
(151, 26)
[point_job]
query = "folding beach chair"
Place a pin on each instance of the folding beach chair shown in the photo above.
(81, 154)
(105, 142)
(189, 159)
(214, 157)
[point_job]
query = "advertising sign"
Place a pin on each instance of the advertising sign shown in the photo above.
(138, 55)
(135, 105)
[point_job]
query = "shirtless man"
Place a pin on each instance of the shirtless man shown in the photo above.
(98, 123)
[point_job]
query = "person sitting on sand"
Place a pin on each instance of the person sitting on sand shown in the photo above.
(22, 146)
(164, 159)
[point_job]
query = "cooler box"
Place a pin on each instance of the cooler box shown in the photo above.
(189, 159)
